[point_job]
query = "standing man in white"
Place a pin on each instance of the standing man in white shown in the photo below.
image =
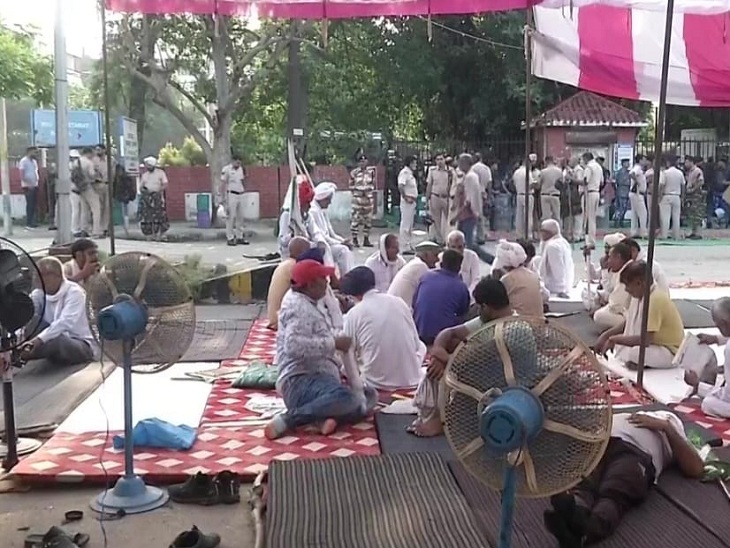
(525, 198)
(485, 183)
(29, 178)
(549, 183)
(591, 195)
(636, 198)
(232, 189)
(671, 188)
(408, 188)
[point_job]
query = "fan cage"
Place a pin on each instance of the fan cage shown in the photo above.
(161, 288)
(570, 383)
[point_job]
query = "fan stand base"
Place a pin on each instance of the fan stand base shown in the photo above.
(25, 447)
(130, 495)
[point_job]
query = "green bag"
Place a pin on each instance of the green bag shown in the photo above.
(259, 375)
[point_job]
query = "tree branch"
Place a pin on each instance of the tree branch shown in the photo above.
(193, 100)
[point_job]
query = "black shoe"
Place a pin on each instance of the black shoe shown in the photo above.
(573, 515)
(555, 523)
(232, 242)
(355, 242)
(229, 486)
(52, 227)
(199, 489)
(366, 242)
(58, 538)
(242, 241)
(195, 538)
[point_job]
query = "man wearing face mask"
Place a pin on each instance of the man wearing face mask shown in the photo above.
(309, 373)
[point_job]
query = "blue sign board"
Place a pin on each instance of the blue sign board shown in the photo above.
(84, 128)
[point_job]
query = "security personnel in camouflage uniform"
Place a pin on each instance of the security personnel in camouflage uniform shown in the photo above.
(362, 185)
(694, 198)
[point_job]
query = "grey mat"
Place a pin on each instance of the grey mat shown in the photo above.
(657, 522)
(392, 501)
(46, 393)
(395, 440)
(216, 340)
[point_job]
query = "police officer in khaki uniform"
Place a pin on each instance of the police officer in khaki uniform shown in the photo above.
(362, 186)
(671, 186)
(549, 183)
(232, 190)
(593, 173)
(439, 180)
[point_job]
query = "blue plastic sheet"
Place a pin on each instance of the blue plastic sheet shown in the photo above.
(160, 434)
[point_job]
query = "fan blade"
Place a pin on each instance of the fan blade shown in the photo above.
(16, 310)
(557, 372)
(9, 267)
(573, 432)
(509, 371)
(459, 386)
(472, 447)
(530, 474)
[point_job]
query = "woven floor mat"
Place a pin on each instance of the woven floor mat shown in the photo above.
(397, 501)
(216, 340)
(657, 522)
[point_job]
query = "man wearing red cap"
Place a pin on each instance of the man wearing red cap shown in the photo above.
(309, 373)
(295, 221)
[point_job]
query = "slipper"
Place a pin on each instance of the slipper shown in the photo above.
(56, 537)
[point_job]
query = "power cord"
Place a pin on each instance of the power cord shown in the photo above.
(102, 517)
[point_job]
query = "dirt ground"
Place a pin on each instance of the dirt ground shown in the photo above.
(37, 510)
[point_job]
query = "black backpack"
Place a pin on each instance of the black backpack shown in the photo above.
(77, 176)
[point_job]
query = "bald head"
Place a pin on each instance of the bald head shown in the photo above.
(297, 246)
(51, 270)
(721, 315)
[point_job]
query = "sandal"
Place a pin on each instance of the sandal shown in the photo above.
(56, 537)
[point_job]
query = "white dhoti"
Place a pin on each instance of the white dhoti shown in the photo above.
(656, 357)
(605, 318)
(715, 405)
(342, 257)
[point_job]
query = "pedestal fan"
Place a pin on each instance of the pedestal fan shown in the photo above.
(526, 409)
(143, 313)
(20, 319)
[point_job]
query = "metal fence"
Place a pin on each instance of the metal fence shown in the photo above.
(709, 149)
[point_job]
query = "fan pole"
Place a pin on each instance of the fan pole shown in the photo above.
(508, 506)
(11, 435)
(128, 416)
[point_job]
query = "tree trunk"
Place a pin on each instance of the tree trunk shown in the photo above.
(138, 105)
(221, 154)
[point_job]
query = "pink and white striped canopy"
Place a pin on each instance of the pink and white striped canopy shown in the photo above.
(340, 9)
(618, 51)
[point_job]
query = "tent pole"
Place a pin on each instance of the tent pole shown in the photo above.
(528, 119)
(110, 168)
(654, 206)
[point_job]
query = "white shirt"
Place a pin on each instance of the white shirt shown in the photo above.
(65, 313)
(637, 174)
(385, 272)
(654, 444)
(407, 183)
(484, 174)
(519, 179)
(385, 341)
(556, 265)
(660, 278)
(720, 392)
(473, 192)
(233, 178)
(673, 181)
(322, 227)
(406, 281)
(154, 181)
(470, 270)
(594, 176)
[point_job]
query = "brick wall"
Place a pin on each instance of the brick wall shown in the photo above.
(270, 182)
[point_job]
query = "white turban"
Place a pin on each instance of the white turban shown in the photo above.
(610, 240)
(324, 190)
(552, 226)
(509, 255)
(150, 161)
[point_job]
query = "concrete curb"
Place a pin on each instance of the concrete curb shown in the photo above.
(241, 287)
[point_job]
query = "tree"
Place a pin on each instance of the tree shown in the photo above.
(213, 62)
(24, 72)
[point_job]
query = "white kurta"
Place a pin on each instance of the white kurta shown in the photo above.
(386, 342)
(557, 270)
(660, 278)
(717, 398)
(385, 271)
(406, 281)
(323, 233)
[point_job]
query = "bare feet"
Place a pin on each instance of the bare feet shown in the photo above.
(328, 427)
(411, 428)
(428, 429)
(275, 428)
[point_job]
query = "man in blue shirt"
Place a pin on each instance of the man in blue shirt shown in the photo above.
(28, 167)
(623, 187)
(442, 298)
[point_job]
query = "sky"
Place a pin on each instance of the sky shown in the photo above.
(81, 18)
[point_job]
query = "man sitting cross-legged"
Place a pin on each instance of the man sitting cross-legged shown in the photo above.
(309, 374)
(665, 328)
(641, 447)
(384, 336)
(716, 400)
(491, 297)
(65, 338)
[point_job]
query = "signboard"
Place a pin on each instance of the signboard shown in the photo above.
(84, 128)
(621, 153)
(128, 145)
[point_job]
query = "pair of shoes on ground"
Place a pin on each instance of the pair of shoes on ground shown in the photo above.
(206, 490)
(56, 537)
(366, 242)
(195, 538)
(239, 241)
(567, 521)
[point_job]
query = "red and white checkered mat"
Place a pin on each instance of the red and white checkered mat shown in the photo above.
(260, 345)
(691, 409)
(78, 458)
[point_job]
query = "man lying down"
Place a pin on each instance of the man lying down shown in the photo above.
(641, 447)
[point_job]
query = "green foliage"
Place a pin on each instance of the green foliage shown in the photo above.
(193, 152)
(190, 154)
(194, 273)
(24, 72)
